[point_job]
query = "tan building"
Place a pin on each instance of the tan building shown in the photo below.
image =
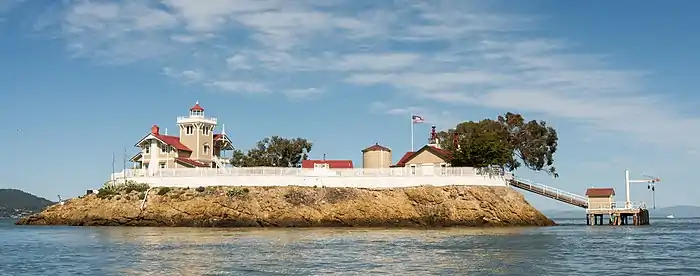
(196, 146)
(376, 156)
(600, 198)
(429, 158)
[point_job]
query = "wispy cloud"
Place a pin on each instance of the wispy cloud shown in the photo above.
(452, 54)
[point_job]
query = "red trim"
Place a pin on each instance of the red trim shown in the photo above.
(191, 162)
(333, 164)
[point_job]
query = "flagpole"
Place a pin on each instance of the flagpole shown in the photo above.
(412, 148)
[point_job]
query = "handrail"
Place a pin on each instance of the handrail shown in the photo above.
(550, 189)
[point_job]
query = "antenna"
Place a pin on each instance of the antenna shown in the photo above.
(124, 168)
(113, 177)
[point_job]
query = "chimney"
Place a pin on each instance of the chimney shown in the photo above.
(155, 129)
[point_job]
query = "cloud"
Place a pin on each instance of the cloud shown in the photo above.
(440, 56)
(303, 94)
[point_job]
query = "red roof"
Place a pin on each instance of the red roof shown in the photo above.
(598, 192)
(376, 147)
(174, 141)
(191, 162)
(196, 107)
(333, 164)
(444, 154)
(404, 159)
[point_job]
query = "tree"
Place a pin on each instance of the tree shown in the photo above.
(508, 142)
(534, 143)
(274, 151)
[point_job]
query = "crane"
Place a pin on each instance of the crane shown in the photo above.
(651, 185)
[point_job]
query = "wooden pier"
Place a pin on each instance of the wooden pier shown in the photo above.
(635, 216)
(598, 202)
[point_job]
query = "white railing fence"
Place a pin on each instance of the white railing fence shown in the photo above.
(561, 193)
(619, 206)
(276, 171)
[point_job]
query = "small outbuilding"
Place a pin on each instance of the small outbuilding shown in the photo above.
(600, 198)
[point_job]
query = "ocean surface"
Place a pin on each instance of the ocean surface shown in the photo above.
(667, 247)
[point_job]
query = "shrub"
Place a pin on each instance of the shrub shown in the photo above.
(200, 189)
(237, 192)
(163, 191)
(142, 196)
(131, 186)
(107, 192)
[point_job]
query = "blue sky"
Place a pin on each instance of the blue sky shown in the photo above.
(82, 79)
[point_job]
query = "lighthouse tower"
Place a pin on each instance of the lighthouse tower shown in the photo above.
(197, 133)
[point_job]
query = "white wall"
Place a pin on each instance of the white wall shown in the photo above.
(327, 181)
(357, 178)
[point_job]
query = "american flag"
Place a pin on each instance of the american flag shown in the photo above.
(417, 119)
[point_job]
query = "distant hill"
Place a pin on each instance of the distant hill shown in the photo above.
(680, 211)
(14, 203)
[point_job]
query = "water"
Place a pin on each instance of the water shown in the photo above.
(667, 247)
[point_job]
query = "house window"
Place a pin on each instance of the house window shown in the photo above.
(147, 150)
(162, 165)
(164, 148)
(206, 149)
(206, 130)
(413, 169)
(443, 168)
(189, 130)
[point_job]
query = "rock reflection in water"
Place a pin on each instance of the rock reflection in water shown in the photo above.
(196, 251)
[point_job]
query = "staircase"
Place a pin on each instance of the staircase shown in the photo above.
(221, 163)
(550, 192)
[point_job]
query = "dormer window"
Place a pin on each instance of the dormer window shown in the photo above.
(147, 150)
(164, 148)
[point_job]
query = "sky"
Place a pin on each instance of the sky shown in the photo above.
(81, 80)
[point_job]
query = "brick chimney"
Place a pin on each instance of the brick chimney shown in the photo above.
(155, 129)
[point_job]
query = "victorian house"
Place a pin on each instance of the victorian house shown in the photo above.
(196, 145)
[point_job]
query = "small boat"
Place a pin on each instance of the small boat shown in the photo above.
(670, 216)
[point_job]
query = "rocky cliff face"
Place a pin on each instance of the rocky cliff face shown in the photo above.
(299, 207)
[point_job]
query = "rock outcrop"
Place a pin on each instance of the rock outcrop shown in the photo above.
(298, 207)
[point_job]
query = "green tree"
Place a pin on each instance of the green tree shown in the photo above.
(274, 151)
(508, 142)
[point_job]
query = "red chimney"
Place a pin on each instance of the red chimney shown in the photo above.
(155, 129)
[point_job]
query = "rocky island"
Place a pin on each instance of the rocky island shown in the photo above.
(427, 206)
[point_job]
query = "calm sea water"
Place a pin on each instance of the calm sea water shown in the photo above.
(667, 247)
